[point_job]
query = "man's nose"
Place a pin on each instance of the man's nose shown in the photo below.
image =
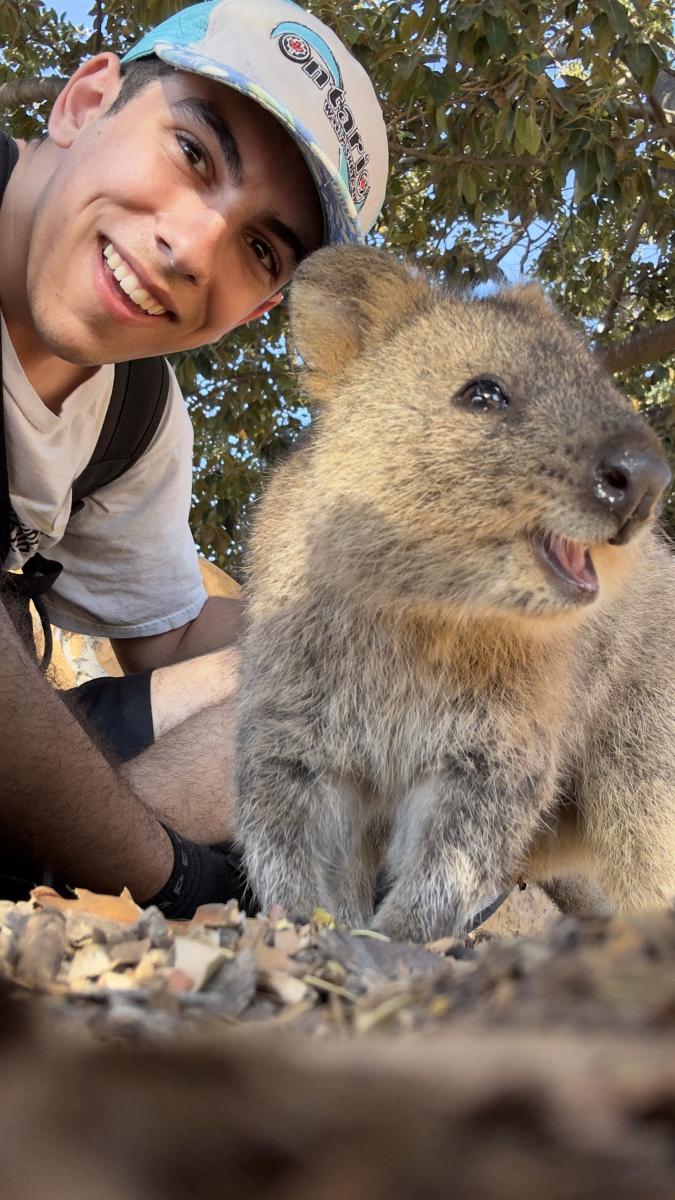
(191, 239)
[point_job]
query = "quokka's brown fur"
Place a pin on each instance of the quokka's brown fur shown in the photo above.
(422, 696)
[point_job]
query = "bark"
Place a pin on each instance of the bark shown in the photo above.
(98, 28)
(650, 344)
(451, 160)
(617, 280)
(20, 92)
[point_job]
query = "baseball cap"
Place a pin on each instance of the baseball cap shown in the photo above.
(294, 66)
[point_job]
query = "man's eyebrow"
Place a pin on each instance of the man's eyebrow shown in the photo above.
(208, 114)
(274, 224)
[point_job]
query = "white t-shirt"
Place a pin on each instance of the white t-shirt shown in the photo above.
(129, 561)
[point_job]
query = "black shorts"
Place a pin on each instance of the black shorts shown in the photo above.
(116, 712)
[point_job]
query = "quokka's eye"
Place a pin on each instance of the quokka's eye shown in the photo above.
(482, 395)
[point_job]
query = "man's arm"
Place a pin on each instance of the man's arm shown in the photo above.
(218, 624)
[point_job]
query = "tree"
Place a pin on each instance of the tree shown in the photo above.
(524, 136)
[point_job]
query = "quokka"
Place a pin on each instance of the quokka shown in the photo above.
(460, 664)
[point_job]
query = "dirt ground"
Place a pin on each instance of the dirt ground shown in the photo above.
(257, 1058)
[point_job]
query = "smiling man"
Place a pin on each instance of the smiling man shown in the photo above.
(173, 198)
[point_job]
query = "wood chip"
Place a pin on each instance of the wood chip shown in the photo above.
(128, 953)
(88, 963)
(283, 987)
(122, 908)
(40, 949)
(197, 961)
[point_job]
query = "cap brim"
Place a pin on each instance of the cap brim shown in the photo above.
(341, 221)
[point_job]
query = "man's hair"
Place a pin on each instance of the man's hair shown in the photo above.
(137, 75)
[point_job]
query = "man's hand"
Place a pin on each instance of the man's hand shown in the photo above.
(219, 624)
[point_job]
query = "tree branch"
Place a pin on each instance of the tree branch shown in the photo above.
(451, 160)
(654, 133)
(662, 102)
(617, 279)
(30, 91)
(98, 27)
(516, 237)
(642, 348)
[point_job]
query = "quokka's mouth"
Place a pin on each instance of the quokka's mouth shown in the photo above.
(570, 563)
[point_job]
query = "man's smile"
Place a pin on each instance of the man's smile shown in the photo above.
(134, 290)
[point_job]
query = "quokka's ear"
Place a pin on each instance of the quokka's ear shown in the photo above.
(529, 295)
(344, 300)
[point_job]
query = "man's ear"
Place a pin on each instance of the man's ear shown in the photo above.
(87, 94)
(265, 307)
(344, 301)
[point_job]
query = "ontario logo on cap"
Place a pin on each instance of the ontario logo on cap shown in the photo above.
(316, 59)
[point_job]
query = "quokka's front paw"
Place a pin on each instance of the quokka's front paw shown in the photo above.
(355, 916)
(277, 882)
(422, 910)
(414, 921)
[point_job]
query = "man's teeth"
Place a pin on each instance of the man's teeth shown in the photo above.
(130, 283)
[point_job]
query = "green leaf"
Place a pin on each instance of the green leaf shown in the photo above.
(467, 16)
(666, 159)
(532, 19)
(481, 52)
(441, 119)
(566, 98)
(585, 168)
(643, 63)
(351, 32)
(452, 45)
(606, 159)
(408, 65)
(532, 138)
(528, 133)
(496, 33)
(618, 17)
(411, 26)
(603, 33)
(440, 85)
(467, 184)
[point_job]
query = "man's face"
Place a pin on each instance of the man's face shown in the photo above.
(198, 200)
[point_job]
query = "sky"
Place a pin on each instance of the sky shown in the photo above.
(76, 10)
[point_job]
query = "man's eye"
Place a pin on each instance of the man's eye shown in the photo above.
(482, 395)
(194, 154)
(265, 255)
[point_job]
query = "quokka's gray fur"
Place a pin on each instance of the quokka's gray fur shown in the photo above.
(424, 692)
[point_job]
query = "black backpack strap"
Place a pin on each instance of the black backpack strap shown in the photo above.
(137, 403)
(5, 502)
(9, 156)
(38, 573)
(136, 407)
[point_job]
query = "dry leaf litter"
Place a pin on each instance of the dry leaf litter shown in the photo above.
(106, 962)
(265, 1059)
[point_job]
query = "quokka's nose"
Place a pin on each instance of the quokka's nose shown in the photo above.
(629, 478)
